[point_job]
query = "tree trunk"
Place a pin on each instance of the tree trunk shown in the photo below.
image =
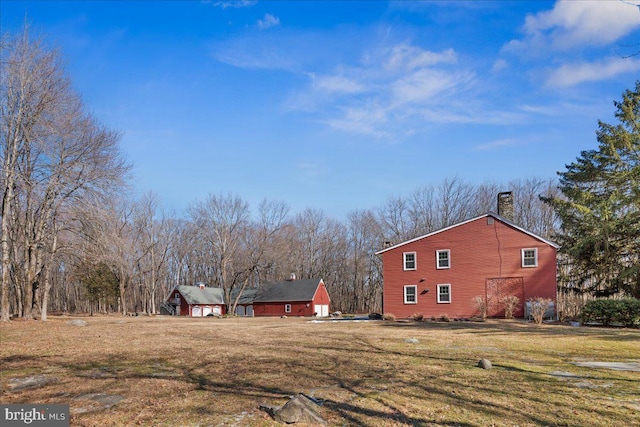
(47, 279)
(122, 287)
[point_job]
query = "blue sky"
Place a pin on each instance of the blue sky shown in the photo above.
(338, 105)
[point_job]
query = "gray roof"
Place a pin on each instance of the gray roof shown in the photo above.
(247, 297)
(195, 295)
(288, 290)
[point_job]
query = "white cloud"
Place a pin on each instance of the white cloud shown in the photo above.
(389, 88)
(572, 24)
(573, 74)
(268, 21)
(425, 84)
(407, 57)
(499, 65)
(336, 84)
(236, 4)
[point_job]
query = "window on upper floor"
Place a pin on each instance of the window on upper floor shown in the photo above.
(443, 259)
(409, 260)
(444, 294)
(530, 257)
(410, 294)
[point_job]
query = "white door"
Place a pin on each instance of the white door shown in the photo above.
(322, 310)
(249, 310)
(217, 310)
(196, 311)
(206, 310)
(240, 310)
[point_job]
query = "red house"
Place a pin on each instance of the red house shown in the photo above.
(292, 298)
(442, 273)
(196, 301)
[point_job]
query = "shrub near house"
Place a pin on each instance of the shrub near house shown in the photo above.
(489, 256)
(625, 311)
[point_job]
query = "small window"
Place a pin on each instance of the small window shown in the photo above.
(530, 257)
(444, 294)
(443, 259)
(287, 308)
(409, 259)
(410, 294)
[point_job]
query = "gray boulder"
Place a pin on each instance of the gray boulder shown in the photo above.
(299, 409)
(77, 322)
(30, 382)
(484, 364)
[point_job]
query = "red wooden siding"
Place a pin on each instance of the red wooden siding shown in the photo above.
(298, 308)
(478, 251)
(321, 296)
(277, 309)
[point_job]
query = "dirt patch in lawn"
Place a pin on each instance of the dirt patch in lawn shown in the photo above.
(167, 371)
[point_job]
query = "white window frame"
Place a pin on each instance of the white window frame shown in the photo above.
(404, 261)
(443, 251)
(535, 257)
(415, 294)
(440, 286)
(287, 308)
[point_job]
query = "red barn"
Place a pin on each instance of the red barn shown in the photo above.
(196, 301)
(441, 273)
(292, 298)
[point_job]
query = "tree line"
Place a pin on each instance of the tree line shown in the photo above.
(75, 240)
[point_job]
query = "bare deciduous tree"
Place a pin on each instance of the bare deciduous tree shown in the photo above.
(54, 153)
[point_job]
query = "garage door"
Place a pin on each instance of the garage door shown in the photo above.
(217, 310)
(206, 310)
(249, 310)
(322, 310)
(240, 310)
(196, 311)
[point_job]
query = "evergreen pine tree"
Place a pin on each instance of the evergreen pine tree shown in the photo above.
(600, 207)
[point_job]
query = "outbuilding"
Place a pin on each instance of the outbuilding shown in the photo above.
(308, 297)
(196, 301)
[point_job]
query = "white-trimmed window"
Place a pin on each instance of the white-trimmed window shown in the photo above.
(410, 294)
(287, 308)
(409, 260)
(443, 259)
(530, 257)
(444, 294)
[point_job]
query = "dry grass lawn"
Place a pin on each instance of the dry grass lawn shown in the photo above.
(216, 372)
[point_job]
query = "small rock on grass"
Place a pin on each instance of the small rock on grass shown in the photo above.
(299, 409)
(77, 322)
(484, 364)
(31, 382)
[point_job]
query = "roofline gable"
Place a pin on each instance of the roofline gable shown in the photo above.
(485, 215)
(321, 282)
(188, 298)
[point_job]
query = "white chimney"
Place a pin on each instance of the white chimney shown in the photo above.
(201, 285)
(292, 277)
